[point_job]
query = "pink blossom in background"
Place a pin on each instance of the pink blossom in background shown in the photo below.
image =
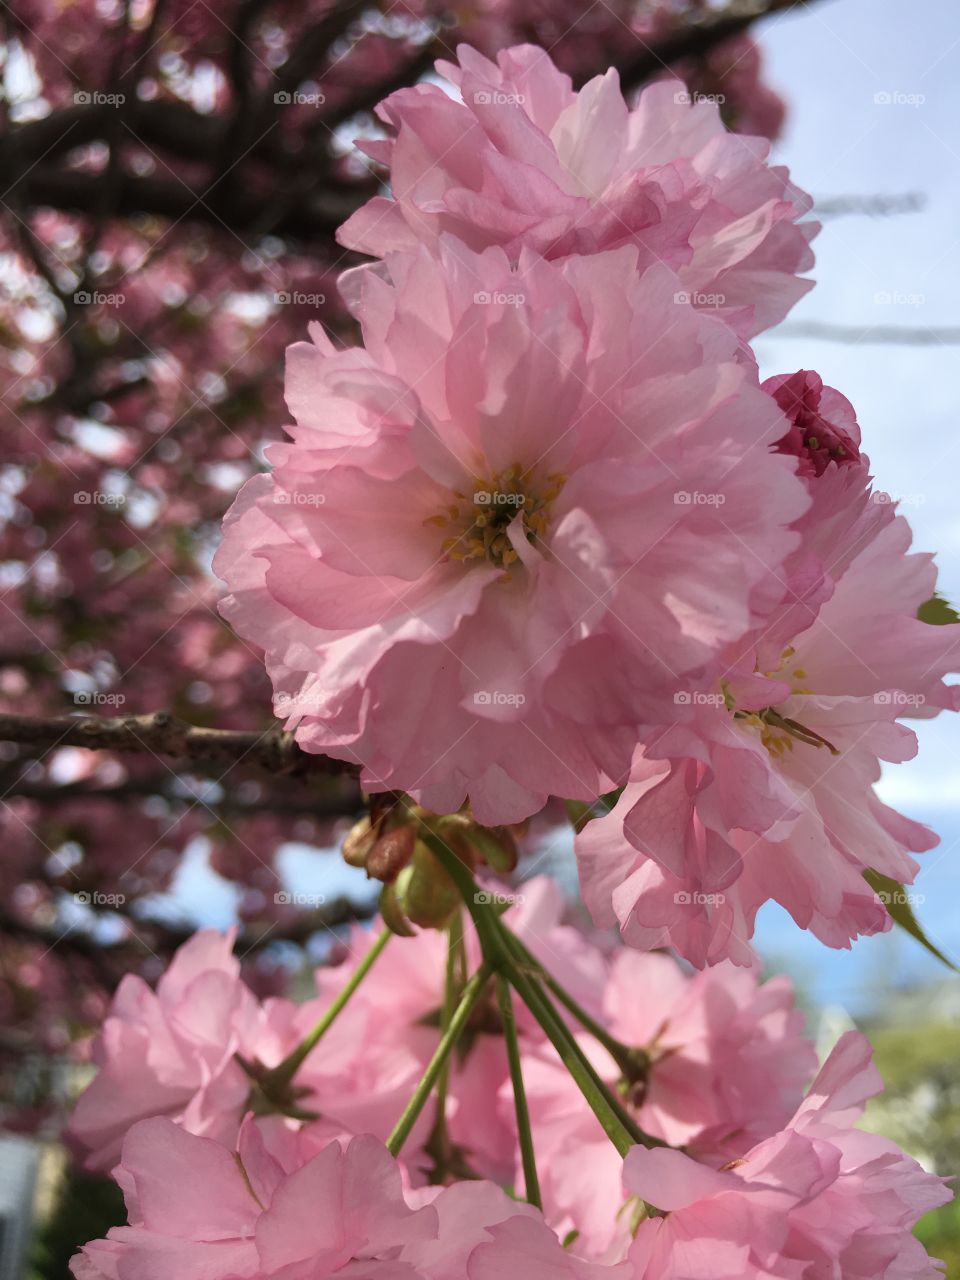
(761, 786)
(522, 161)
(445, 566)
(818, 1200)
(171, 1052)
(203, 1211)
(728, 1062)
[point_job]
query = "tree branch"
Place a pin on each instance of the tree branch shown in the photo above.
(151, 937)
(273, 751)
(887, 335)
(71, 190)
(696, 37)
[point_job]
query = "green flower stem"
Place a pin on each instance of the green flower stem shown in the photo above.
(451, 994)
(461, 1015)
(616, 1123)
(284, 1072)
(633, 1063)
(508, 1017)
(500, 954)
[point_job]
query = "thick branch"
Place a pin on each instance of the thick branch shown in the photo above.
(162, 734)
(342, 802)
(152, 937)
(695, 38)
(316, 218)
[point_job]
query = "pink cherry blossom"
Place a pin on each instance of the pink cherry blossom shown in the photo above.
(445, 566)
(823, 424)
(204, 1211)
(818, 1200)
(521, 160)
(761, 787)
(171, 1052)
(727, 1064)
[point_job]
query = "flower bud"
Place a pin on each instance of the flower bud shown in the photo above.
(426, 894)
(391, 853)
(360, 839)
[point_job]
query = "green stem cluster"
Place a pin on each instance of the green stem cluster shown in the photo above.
(508, 963)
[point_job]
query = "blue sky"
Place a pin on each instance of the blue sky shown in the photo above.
(831, 61)
(873, 90)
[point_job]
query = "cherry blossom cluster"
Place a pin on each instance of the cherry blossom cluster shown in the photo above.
(743, 1169)
(546, 532)
(152, 275)
(543, 535)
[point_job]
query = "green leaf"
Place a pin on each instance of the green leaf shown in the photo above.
(897, 901)
(937, 612)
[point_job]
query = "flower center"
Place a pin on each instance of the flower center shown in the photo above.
(476, 524)
(778, 732)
